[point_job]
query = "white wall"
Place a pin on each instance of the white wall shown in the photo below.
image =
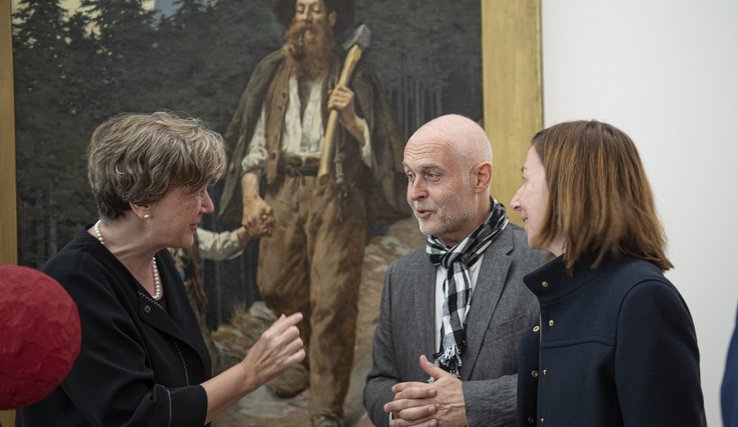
(665, 72)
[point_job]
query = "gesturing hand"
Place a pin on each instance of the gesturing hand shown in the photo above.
(279, 348)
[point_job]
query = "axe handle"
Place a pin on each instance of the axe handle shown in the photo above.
(354, 54)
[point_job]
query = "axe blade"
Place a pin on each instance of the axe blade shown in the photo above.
(362, 37)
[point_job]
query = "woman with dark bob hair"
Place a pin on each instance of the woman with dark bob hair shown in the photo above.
(143, 361)
(615, 344)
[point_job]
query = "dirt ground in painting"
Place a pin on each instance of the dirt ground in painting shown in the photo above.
(263, 407)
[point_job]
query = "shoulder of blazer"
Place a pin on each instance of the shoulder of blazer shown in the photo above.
(412, 261)
(521, 252)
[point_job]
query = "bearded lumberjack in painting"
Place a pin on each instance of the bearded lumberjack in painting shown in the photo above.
(311, 259)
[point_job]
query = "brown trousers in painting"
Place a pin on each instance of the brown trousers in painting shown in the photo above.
(312, 263)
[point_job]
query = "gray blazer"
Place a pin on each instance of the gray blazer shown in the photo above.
(502, 309)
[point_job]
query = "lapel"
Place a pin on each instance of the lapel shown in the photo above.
(169, 321)
(487, 291)
(425, 317)
(153, 314)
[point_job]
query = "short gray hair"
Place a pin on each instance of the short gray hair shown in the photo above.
(137, 158)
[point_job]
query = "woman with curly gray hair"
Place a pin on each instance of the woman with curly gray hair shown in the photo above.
(143, 361)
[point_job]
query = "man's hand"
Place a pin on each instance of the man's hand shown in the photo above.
(413, 405)
(440, 403)
(341, 99)
(258, 216)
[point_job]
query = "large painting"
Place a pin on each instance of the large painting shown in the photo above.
(75, 67)
(76, 63)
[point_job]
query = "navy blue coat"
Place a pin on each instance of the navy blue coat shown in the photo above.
(615, 346)
(729, 389)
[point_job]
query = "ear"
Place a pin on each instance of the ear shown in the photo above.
(140, 209)
(332, 17)
(482, 177)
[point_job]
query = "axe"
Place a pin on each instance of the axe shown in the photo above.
(355, 45)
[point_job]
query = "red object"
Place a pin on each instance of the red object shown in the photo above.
(40, 335)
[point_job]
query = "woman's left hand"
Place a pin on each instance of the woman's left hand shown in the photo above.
(279, 348)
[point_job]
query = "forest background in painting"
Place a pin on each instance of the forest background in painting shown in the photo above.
(73, 70)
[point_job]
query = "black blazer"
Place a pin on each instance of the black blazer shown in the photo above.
(141, 360)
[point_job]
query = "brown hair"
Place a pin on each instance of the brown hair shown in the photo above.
(137, 158)
(599, 197)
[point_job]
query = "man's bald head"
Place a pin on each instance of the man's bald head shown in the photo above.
(448, 165)
(464, 137)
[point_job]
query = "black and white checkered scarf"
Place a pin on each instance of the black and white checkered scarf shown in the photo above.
(457, 284)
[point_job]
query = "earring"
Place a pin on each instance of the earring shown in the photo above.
(147, 217)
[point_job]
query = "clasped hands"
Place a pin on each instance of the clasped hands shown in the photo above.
(258, 218)
(436, 404)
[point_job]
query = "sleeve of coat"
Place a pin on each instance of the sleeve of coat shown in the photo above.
(384, 373)
(491, 402)
(110, 383)
(656, 359)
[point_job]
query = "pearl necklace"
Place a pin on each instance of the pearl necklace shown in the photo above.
(154, 268)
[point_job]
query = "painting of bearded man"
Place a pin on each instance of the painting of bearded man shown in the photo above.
(311, 257)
